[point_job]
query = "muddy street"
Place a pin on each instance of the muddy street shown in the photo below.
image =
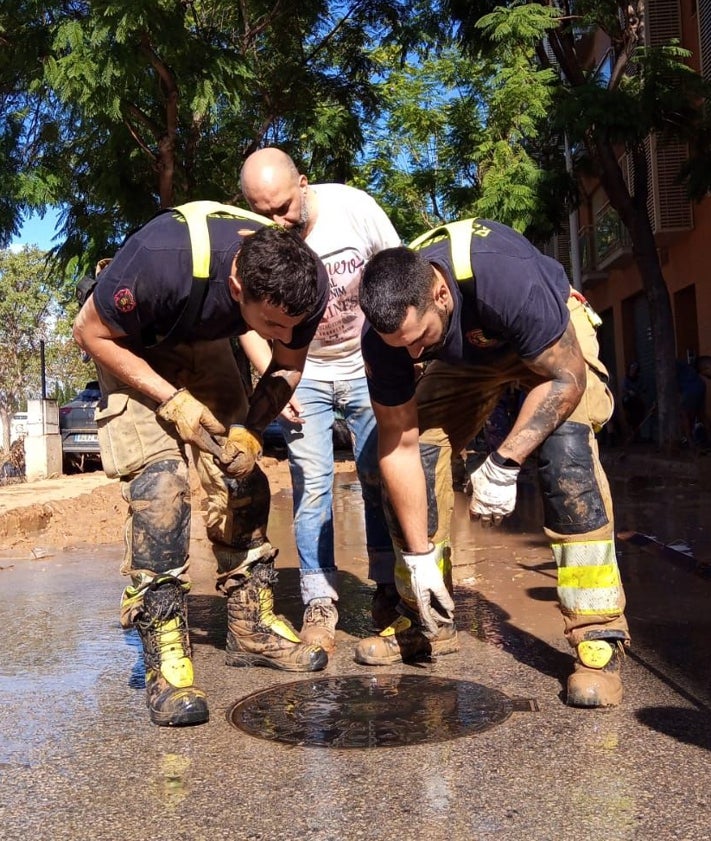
(471, 746)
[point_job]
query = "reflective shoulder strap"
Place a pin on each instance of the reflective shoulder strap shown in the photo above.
(195, 214)
(460, 238)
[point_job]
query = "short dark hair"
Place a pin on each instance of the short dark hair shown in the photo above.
(277, 266)
(394, 280)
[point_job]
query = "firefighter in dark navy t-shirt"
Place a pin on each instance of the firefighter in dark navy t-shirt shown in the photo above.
(159, 325)
(484, 310)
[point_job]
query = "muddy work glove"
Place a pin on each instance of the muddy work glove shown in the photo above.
(493, 490)
(194, 422)
(426, 582)
(240, 451)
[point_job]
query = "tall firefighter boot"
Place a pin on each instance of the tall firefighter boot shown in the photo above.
(255, 635)
(159, 613)
(596, 679)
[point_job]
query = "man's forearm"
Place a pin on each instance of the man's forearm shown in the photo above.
(111, 351)
(404, 481)
(546, 406)
(271, 394)
(131, 369)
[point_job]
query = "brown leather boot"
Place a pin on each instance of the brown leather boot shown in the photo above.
(255, 635)
(319, 625)
(161, 620)
(384, 606)
(596, 680)
(403, 640)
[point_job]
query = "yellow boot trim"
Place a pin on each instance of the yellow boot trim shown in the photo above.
(175, 666)
(270, 619)
(402, 623)
(595, 654)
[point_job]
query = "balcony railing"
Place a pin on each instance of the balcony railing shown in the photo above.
(613, 246)
(590, 274)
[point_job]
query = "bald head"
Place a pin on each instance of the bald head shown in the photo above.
(272, 186)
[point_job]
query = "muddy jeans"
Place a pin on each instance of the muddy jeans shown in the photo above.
(149, 458)
(453, 404)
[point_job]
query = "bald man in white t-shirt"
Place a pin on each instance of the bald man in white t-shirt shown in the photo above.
(345, 227)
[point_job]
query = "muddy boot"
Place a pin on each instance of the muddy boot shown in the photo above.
(384, 606)
(596, 680)
(319, 625)
(161, 621)
(404, 640)
(255, 635)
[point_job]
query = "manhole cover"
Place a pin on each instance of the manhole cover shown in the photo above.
(372, 711)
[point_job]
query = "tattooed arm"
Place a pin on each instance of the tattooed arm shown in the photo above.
(276, 385)
(562, 370)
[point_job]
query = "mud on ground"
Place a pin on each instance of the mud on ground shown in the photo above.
(79, 518)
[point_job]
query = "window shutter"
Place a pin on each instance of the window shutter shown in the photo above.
(703, 12)
(662, 22)
(667, 203)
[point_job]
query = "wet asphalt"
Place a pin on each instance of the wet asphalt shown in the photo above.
(473, 745)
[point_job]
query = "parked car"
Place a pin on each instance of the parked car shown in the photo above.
(80, 440)
(275, 443)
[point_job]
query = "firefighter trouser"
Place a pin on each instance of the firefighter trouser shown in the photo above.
(149, 458)
(453, 404)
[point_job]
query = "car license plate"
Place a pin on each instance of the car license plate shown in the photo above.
(84, 439)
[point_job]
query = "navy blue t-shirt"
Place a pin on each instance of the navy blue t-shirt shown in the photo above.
(144, 289)
(515, 302)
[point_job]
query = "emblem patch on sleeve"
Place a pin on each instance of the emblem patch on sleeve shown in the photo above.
(124, 300)
(478, 339)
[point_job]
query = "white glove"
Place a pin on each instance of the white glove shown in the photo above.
(493, 491)
(426, 581)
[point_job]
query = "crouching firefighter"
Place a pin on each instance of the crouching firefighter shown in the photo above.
(489, 312)
(159, 324)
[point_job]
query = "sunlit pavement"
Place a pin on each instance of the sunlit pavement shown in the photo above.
(80, 760)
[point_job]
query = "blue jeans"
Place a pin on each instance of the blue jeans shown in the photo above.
(311, 465)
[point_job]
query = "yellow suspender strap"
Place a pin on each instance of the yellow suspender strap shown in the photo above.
(460, 238)
(195, 214)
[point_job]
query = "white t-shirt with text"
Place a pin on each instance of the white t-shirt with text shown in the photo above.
(350, 228)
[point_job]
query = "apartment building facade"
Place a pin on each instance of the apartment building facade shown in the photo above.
(606, 271)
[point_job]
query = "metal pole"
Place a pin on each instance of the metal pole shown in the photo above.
(573, 226)
(44, 373)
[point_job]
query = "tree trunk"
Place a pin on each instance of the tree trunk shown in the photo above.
(5, 420)
(632, 211)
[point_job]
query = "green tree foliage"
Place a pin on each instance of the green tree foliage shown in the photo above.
(139, 104)
(31, 315)
(460, 134)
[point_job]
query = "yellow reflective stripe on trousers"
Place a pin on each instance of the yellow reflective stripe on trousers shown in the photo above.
(588, 577)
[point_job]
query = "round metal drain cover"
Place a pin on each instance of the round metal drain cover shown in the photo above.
(371, 711)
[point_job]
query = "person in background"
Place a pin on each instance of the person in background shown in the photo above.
(691, 380)
(345, 227)
(633, 403)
